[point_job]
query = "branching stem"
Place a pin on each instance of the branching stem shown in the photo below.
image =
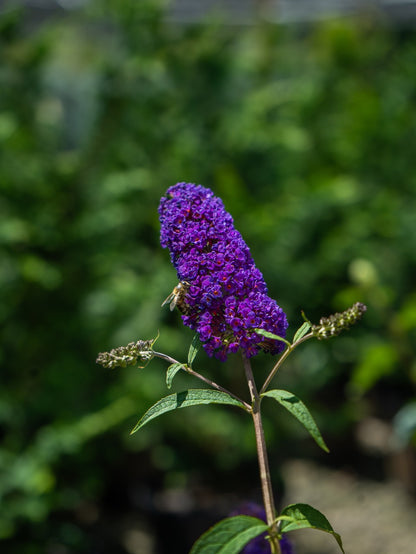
(265, 478)
(289, 349)
(202, 378)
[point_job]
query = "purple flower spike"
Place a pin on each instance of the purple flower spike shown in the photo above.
(226, 296)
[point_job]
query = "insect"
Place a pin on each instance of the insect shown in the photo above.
(177, 297)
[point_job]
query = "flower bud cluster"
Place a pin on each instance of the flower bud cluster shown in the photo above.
(226, 296)
(333, 325)
(124, 356)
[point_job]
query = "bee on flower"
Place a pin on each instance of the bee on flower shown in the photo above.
(177, 298)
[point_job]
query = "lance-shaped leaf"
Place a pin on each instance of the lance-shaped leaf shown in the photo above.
(172, 371)
(193, 350)
(229, 536)
(302, 516)
(298, 409)
(185, 399)
(301, 332)
(271, 336)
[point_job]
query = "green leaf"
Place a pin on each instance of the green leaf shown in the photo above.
(301, 332)
(298, 409)
(229, 536)
(302, 516)
(305, 318)
(155, 339)
(193, 350)
(172, 371)
(191, 397)
(271, 336)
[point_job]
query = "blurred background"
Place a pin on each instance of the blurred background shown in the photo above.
(301, 116)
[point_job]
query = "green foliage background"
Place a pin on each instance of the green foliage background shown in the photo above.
(306, 133)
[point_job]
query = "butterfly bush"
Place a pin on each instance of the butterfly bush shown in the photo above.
(223, 297)
(226, 295)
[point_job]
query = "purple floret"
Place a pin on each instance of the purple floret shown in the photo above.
(227, 296)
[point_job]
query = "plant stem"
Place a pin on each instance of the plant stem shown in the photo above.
(265, 478)
(280, 361)
(216, 386)
(212, 384)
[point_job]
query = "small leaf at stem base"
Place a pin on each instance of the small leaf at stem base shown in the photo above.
(269, 335)
(301, 332)
(193, 350)
(172, 371)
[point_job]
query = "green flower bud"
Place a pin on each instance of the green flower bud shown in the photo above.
(333, 325)
(124, 356)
